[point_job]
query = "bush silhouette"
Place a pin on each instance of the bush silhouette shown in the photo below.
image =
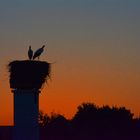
(89, 123)
(94, 123)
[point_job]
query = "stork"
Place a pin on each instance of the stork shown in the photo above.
(30, 53)
(38, 52)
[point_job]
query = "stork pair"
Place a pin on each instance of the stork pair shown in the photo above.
(36, 54)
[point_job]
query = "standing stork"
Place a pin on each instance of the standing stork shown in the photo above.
(30, 53)
(38, 52)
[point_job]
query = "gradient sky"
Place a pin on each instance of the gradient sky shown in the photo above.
(95, 44)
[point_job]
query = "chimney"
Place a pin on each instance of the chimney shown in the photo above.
(26, 80)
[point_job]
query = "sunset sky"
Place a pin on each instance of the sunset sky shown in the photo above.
(94, 46)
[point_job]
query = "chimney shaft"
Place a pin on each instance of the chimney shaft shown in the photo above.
(26, 80)
(26, 106)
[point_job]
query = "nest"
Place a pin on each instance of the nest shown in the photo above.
(28, 74)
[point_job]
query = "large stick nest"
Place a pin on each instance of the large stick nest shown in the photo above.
(28, 74)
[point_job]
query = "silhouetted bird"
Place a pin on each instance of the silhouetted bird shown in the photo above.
(30, 53)
(38, 52)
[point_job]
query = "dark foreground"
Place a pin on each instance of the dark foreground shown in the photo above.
(78, 134)
(89, 123)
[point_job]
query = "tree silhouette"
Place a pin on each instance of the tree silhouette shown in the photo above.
(93, 122)
(90, 122)
(43, 119)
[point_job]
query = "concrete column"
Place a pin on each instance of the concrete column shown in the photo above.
(26, 108)
(26, 79)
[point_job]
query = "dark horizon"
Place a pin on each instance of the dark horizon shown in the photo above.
(89, 122)
(93, 46)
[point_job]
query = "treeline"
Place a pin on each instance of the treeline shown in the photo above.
(91, 123)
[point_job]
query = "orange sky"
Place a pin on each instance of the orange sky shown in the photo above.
(72, 84)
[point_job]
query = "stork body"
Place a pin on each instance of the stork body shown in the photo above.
(30, 53)
(38, 52)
